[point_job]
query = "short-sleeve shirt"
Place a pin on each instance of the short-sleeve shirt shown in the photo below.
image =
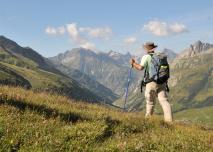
(146, 62)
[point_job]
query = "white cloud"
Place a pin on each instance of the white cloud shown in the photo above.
(178, 28)
(100, 32)
(130, 40)
(61, 30)
(79, 40)
(50, 31)
(81, 36)
(73, 32)
(55, 31)
(160, 28)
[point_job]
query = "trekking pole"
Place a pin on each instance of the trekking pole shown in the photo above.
(127, 87)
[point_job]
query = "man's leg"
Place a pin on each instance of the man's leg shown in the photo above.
(163, 99)
(150, 95)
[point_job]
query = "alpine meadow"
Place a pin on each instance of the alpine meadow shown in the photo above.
(133, 76)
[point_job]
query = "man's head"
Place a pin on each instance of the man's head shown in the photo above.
(149, 46)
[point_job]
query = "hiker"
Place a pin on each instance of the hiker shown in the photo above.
(153, 89)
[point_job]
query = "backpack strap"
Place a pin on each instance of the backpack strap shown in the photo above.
(167, 87)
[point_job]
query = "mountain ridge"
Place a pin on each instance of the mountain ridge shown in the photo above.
(105, 68)
(196, 48)
(25, 66)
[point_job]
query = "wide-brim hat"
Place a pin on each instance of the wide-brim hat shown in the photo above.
(149, 46)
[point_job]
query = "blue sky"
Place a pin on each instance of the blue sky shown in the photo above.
(52, 26)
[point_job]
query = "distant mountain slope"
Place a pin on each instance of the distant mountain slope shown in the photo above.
(192, 77)
(106, 94)
(25, 67)
(109, 69)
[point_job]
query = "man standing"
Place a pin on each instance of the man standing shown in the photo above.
(153, 89)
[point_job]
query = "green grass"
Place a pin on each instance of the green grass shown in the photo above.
(32, 121)
(199, 115)
(18, 60)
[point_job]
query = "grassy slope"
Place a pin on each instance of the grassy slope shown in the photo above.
(27, 69)
(9, 77)
(39, 122)
(44, 80)
(199, 115)
(37, 77)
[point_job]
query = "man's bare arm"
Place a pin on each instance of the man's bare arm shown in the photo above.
(136, 65)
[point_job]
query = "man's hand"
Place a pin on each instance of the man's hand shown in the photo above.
(135, 65)
(132, 61)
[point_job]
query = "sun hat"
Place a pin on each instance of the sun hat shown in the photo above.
(149, 46)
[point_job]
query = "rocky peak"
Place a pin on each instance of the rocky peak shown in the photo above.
(82, 50)
(78, 51)
(197, 48)
(120, 58)
(200, 47)
(113, 53)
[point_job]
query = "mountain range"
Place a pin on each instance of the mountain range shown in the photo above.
(102, 76)
(109, 69)
(22, 66)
